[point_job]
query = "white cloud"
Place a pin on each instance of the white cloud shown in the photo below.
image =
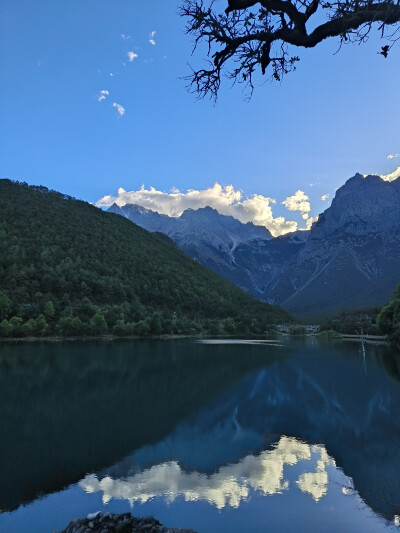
(151, 38)
(102, 95)
(310, 221)
(325, 197)
(299, 201)
(125, 37)
(392, 156)
(392, 175)
(132, 56)
(111, 75)
(225, 199)
(119, 108)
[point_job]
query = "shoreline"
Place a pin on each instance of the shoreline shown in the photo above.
(382, 339)
(111, 338)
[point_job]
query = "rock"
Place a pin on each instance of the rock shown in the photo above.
(123, 523)
(92, 516)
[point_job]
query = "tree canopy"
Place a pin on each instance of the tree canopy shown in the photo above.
(388, 319)
(250, 35)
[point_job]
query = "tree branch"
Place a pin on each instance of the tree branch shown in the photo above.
(248, 31)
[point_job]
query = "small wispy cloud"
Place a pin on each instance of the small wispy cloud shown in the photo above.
(119, 108)
(325, 197)
(111, 75)
(102, 95)
(392, 156)
(125, 37)
(151, 38)
(132, 56)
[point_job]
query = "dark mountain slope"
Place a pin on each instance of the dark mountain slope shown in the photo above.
(86, 262)
(352, 256)
(349, 259)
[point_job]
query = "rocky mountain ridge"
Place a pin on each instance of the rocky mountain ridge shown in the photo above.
(350, 258)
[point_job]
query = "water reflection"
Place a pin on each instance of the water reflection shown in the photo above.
(330, 411)
(217, 424)
(230, 485)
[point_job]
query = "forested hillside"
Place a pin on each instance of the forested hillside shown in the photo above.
(388, 319)
(66, 267)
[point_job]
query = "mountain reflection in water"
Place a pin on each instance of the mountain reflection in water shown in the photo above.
(155, 424)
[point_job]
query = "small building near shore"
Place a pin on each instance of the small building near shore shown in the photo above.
(312, 328)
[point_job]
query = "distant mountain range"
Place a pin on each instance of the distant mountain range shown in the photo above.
(350, 258)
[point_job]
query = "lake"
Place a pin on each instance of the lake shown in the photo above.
(219, 437)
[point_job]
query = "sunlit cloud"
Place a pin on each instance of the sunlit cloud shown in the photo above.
(229, 486)
(310, 221)
(392, 156)
(151, 38)
(225, 199)
(299, 201)
(102, 95)
(392, 175)
(325, 197)
(111, 75)
(125, 37)
(132, 56)
(119, 108)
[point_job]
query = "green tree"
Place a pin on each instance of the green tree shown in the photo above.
(40, 326)
(155, 325)
(388, 320)
(28, 328)
(70, 326)
(230, 326)
(5, 328)
(16, 324)
(143, 327)
(98, 325)
(49, 310)
(5, 305)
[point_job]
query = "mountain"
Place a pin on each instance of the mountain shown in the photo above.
(204, 235)
(350, 258)
(69, 267)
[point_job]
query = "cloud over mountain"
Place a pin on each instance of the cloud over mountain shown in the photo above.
(392, 175)
(225, 199)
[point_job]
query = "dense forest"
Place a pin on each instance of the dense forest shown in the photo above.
(69, 268)
(352, 322)
(388, 319)
(372, 321)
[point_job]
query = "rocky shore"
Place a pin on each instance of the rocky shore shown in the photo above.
(118, 523)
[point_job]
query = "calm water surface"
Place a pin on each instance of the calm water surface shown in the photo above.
(218, 437)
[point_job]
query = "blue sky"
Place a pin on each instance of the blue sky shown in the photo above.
(338, 114)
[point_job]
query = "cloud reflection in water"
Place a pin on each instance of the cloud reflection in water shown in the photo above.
(229, 486)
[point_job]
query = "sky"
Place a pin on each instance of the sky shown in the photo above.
(92, 103)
